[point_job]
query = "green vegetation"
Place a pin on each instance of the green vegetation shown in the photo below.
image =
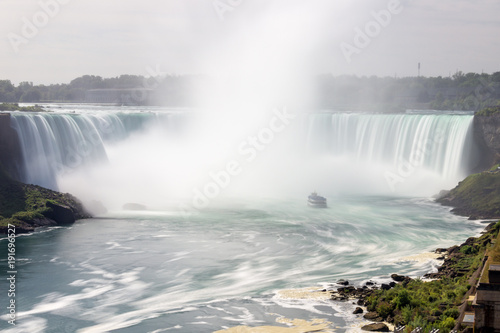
(493, 254)
(461, 91)
(489, 111)
(25, 206)
(18, 206)
(434, 304)
(174, 89)
(477, 195)
(16, 107)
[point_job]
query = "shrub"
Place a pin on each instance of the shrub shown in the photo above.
(407, 313)
(468, 250)
(384, 309)
(447, 324)
(418, 321)
(402, 299)
(451, 313)
(27, 216)
(451, 295)
(433, 297)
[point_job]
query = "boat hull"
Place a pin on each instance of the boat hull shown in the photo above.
(317, 204)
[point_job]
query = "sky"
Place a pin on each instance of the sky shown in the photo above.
(55, 41)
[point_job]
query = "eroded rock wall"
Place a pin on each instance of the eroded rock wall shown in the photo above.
(10, 149)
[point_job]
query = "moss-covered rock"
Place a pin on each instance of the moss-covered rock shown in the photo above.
(30, 206)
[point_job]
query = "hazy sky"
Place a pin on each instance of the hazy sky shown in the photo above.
(54, 41)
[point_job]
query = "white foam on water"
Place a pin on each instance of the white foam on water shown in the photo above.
(176, 327)
(29, 324)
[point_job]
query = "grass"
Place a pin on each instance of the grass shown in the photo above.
(493, 254)
(434, 304)
(478, 194)
(22, 205)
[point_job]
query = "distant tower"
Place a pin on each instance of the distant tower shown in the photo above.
(418, 69)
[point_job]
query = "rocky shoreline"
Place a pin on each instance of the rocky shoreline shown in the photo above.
(378, 303)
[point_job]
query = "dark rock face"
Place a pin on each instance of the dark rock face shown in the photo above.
(487, 135)
(377, 327)
(60, 214)
(10, 149)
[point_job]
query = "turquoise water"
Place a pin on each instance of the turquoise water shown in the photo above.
(178, 268)
(221, 267)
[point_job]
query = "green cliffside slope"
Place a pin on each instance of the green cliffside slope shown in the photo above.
(29, 206)
(477, 196)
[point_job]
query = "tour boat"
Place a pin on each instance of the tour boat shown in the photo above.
(315, 200)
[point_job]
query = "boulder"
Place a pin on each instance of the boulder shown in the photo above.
(398, 278)
(358, 310)
(60, 213)
(343, 282)
(371, 315)
(385, 286)
(376, 327)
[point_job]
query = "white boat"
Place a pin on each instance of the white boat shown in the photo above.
(315, 200)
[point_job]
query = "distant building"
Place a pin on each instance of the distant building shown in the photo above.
(132, 96)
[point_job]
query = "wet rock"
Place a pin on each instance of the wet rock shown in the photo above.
(358, 310)
(346, 290)
(376, 327)
(385, 286)
(371, 315)
(60, 213)
(343, 282)
(398, 278)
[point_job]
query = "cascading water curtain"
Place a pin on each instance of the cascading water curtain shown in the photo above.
(438, 143)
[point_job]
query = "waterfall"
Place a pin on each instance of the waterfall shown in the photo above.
(440, 143)
(53, 144)
(397, 145)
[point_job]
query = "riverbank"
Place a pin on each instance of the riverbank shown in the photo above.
(477, 196)
(439, 300)
(430, 302)
(27, 207)
(17, 107)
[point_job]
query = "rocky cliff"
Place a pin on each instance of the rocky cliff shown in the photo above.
(487, 134)
(29, 206)
(10, 150)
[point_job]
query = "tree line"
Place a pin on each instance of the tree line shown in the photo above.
(461, 91)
